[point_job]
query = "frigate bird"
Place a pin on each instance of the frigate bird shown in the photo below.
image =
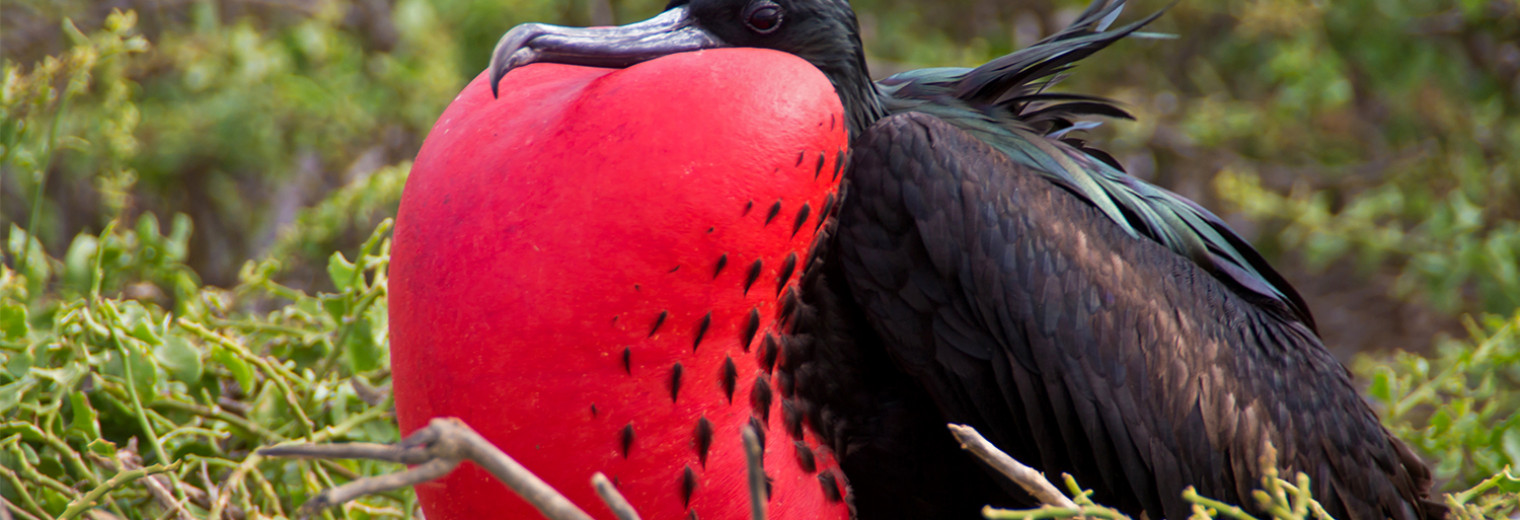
(988, 267)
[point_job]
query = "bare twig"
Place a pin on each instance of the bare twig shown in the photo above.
(369, 394)
(435, 451)
(755, 459)
(1025, 476)
(615, 501)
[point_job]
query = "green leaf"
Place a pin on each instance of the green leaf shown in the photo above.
(79, 261)
(269, 407)
(341, 271)
(144, 375)
(75, 35)
(19, 364)
(11, 394)
(147, 229)
(179, 238)
(1441, 420)
(142, 329)
(51, 499)
(1511, 442)
(180, 358)
(24, 247)
(65, 376)
(13, 324)
(86, 422)
(102, 447)
(362, 351)
(240, 370)
(1382, 385)
(28, 432)
(335, 306)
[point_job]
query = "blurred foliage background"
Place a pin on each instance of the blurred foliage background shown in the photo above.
(176, 175)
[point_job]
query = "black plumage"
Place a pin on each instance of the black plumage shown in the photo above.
(987, 267)
(1080, 348)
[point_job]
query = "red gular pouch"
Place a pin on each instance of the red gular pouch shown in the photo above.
(584, 270)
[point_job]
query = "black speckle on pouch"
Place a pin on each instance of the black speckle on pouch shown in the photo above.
(688, 485)
(701, 330)
(788, 266)
(802, 216)
(659, 320)
(704, 438)
(828, 208)
(805, 457)
(625, 439)
(754, 274)
(771, 215)
(675, 381)
(789, 305)
(729, 378)
(751, 326)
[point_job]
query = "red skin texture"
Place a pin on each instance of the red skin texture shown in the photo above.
(542, 233)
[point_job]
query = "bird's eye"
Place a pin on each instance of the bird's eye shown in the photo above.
(763, 17)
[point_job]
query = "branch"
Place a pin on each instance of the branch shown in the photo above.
(434, 451)
(615, 501)
(1032, 481)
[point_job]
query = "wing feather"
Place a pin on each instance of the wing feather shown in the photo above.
(1081, 348)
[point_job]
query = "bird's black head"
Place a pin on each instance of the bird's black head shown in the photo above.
(823, 32)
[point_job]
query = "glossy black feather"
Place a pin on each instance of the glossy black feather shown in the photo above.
(985, 101)
(1078, 347)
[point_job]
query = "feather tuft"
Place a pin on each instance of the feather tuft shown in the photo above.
(1005, 104)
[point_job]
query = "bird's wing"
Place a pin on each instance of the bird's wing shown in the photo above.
(1082, 348)
(1006, 102)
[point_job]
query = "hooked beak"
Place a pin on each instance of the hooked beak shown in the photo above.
(671, 32)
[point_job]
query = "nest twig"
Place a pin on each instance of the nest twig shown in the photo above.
(434, 451)
(1026, 477)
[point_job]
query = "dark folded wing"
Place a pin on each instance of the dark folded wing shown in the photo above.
(1078, 347)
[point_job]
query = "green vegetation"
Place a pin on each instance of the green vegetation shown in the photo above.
(177, 178)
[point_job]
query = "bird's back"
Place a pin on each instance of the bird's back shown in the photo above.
(1026, 312)
(1094, 323)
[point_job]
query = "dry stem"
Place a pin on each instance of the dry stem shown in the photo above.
(435, 451)
(1032, 481)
